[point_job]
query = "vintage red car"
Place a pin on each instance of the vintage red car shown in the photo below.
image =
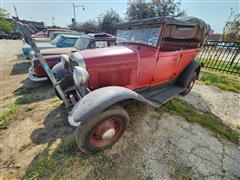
(152, 62)
(53, 55)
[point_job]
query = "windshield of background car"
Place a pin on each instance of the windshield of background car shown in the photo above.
(148, 35)
(56, 40)
(82, 42)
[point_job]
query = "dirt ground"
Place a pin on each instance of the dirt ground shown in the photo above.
(155, 146)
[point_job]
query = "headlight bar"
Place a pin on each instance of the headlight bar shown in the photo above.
(25, 32)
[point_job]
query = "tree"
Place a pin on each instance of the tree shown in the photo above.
(90, 25)
(141, 9)
(232, 29)
(5, 25)
(108, 20)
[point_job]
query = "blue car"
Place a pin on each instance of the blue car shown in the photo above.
(62, 40)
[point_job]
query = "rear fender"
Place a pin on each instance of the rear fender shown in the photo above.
(187, 73)
(97, 101)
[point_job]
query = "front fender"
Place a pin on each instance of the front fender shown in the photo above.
(97, 101)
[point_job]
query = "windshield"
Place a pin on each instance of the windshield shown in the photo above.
(82, 42)
(141, 35)
(56, 40)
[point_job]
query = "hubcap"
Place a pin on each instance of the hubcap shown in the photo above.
(106, 132)
(109, 134)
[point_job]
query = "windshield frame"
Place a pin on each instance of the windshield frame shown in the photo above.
(85, 36)
(56, 40)
(142, 27)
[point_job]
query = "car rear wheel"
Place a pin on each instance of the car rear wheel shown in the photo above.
(190, 84)
(102, 131)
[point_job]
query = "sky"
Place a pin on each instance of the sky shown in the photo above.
(214, 12)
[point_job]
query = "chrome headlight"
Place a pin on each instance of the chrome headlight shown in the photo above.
(80, 76)
(65, 60)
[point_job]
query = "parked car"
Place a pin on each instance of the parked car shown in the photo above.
(152, 62)
(3, 35)
(53, 55)
(61, 40)
(53, 35)
(12, 35)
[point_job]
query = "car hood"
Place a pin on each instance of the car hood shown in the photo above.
(56, 51)
(40, 46)
(109, 56)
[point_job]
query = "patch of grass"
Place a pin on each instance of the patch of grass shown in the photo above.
(6, 114)
(228, 83)
(68, 146)
(238, 126)
(42, 165)
(64, 155)
(207, 120)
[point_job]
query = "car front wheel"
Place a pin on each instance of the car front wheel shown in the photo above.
(102, 131)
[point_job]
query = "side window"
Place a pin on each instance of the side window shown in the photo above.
(178, 37)
(99, 44)
(68, 42)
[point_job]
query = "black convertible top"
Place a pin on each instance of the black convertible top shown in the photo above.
(183, 21)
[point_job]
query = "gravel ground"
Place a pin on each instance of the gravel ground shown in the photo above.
(155, 146)
(224, 104)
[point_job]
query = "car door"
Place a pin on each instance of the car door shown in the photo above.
(166, 66)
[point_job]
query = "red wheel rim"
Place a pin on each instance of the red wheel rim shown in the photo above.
(106, 132)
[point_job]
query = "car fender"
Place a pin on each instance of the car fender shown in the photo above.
(97, 101)
(184, 78)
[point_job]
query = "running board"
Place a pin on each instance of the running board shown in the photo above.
(161, 95)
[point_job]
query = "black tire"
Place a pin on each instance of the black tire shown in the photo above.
(189, 84)
(85, 134)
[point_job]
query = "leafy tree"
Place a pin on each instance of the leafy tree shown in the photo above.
(5, 25)
(140, 9)
(108, 20)
(232, 29)
(90, 25)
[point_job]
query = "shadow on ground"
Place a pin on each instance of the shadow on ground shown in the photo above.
(55, 126)
(20, 68)
(31, 91)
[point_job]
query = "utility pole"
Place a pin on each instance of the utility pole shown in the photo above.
(74, 13)
(53, 18)
(16, 13)
(231, 13)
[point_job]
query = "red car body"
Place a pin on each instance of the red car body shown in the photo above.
(135, 66)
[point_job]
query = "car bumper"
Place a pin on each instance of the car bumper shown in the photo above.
(33, 77)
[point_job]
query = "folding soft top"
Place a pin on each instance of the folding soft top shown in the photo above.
(182, 21)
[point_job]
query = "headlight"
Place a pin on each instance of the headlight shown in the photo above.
(80, 76)
(65, 61)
